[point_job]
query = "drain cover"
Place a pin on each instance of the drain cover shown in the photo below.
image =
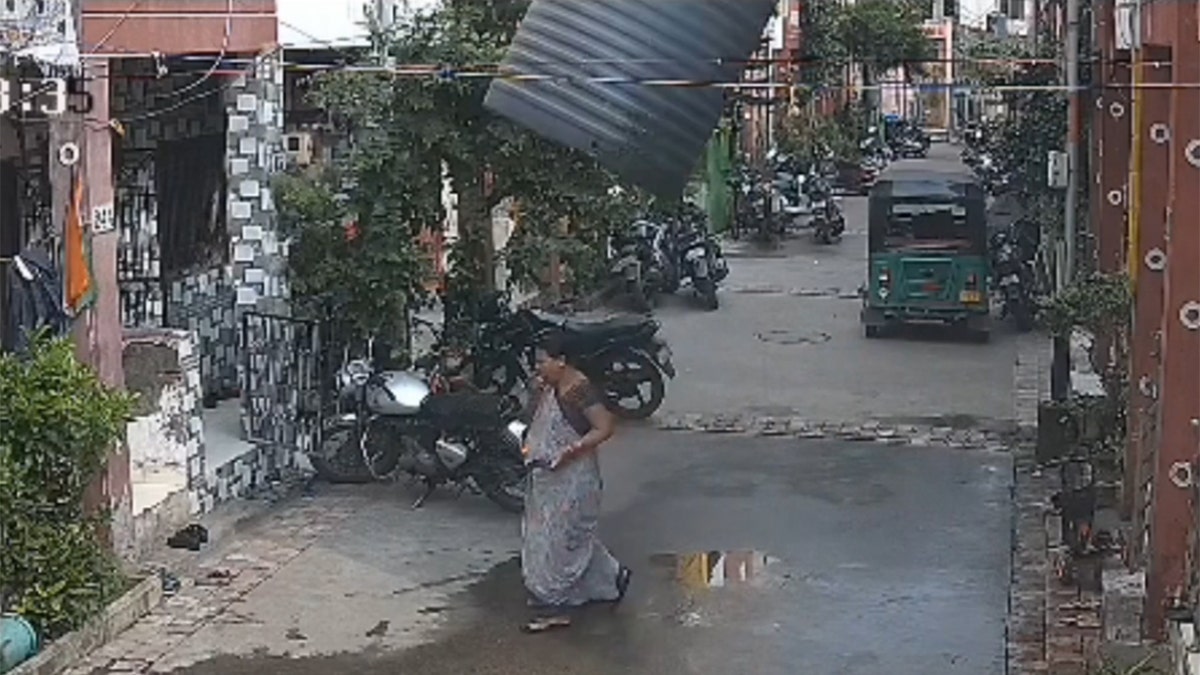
(791, 337)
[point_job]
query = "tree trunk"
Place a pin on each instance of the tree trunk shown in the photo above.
(476, 241)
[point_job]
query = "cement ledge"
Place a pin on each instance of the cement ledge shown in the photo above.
(122, 613)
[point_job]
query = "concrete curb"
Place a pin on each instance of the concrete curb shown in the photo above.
(122, 613)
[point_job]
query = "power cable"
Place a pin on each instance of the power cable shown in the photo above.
(217, 61)
(120, 22)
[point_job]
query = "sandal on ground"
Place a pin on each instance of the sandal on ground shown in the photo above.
(546, 623)
(624, 576)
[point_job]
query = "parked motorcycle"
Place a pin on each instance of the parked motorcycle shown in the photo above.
(788, 191)
(623, 355)
(828, 223)
(397, 421)
(1014, 276)
(754, 208)
(700, 261)
(642, 263)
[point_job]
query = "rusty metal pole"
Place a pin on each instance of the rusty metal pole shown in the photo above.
(1074, 139)
(1171, 572)
(1060, 372)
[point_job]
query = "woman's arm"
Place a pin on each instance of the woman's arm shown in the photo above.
(604, 425)
(600, 419)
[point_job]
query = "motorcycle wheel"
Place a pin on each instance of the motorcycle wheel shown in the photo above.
(633, 384)
(502, 477)
(707, 290)
(339, 459)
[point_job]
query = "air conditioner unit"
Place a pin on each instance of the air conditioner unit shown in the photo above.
(299, 148)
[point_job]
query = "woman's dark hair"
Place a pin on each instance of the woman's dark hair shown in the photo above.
(558, 345)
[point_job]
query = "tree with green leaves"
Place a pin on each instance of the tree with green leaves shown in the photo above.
(409, 133)
(880, 35)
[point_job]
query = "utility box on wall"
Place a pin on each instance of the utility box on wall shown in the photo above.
(299, 148)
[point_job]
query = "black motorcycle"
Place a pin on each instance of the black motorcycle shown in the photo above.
(642, 263)
(1014, 277)
(700, 261)
(623, 355)
(753, 209)
(403, 421)
(828, 222)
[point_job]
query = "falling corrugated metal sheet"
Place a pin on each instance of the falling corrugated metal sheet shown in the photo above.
(652, 136)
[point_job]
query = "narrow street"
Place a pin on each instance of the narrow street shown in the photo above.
(840, 556)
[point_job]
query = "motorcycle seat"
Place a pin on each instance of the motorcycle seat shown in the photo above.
(459, 411)
(610, 326)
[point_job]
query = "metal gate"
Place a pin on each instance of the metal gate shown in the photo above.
(282, 383)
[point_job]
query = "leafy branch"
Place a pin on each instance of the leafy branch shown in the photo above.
(1099, 303)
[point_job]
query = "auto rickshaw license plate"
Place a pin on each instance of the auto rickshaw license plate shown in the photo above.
(970, 296)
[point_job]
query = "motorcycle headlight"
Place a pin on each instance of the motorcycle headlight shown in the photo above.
(517, 429)
(354, 374)
(358, 371)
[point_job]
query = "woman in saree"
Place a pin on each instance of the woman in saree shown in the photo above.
(563, 562)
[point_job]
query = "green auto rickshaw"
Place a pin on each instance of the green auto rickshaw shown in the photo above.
(928, 254)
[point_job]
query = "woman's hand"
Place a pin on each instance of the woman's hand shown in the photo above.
(569, 455)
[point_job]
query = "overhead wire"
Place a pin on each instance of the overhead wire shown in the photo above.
(499, 71)
(116, 26)
(217, 61)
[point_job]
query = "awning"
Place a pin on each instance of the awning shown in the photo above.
(638, 84)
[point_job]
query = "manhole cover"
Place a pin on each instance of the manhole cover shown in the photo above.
(790, 337)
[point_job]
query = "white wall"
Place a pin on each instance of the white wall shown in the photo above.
(342, 23)
(47, 35)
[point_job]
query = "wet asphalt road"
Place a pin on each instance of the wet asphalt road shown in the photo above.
(862, 559)
(840, 558)
(787, 341)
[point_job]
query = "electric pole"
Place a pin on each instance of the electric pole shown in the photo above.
(1060, 376)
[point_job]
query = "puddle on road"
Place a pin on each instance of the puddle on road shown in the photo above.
(716, 569)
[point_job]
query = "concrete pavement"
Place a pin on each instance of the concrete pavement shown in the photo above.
(832, 556)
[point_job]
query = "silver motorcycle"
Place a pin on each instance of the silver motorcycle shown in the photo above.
(399, 422)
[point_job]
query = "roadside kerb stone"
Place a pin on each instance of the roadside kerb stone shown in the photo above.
(868, 431)
(64, 652)
(772, 289)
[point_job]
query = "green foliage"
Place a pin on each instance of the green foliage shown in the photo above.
(825, 54)
(406, 134)
(808, 136)
(1099, 303)
(358, 260)
(883, 34)
(988, 59)
(60, 424)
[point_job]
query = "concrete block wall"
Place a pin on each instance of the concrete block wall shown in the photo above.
(210, 303)
(162, 366)
(1185, 648)
(164, 109)
(254, 106)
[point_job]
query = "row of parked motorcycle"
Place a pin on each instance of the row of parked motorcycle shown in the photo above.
(454, 416)
(788, 195)
(791, 194)
(657, 256)
(1014, 247)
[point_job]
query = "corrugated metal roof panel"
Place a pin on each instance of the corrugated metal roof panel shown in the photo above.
(650, 135)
